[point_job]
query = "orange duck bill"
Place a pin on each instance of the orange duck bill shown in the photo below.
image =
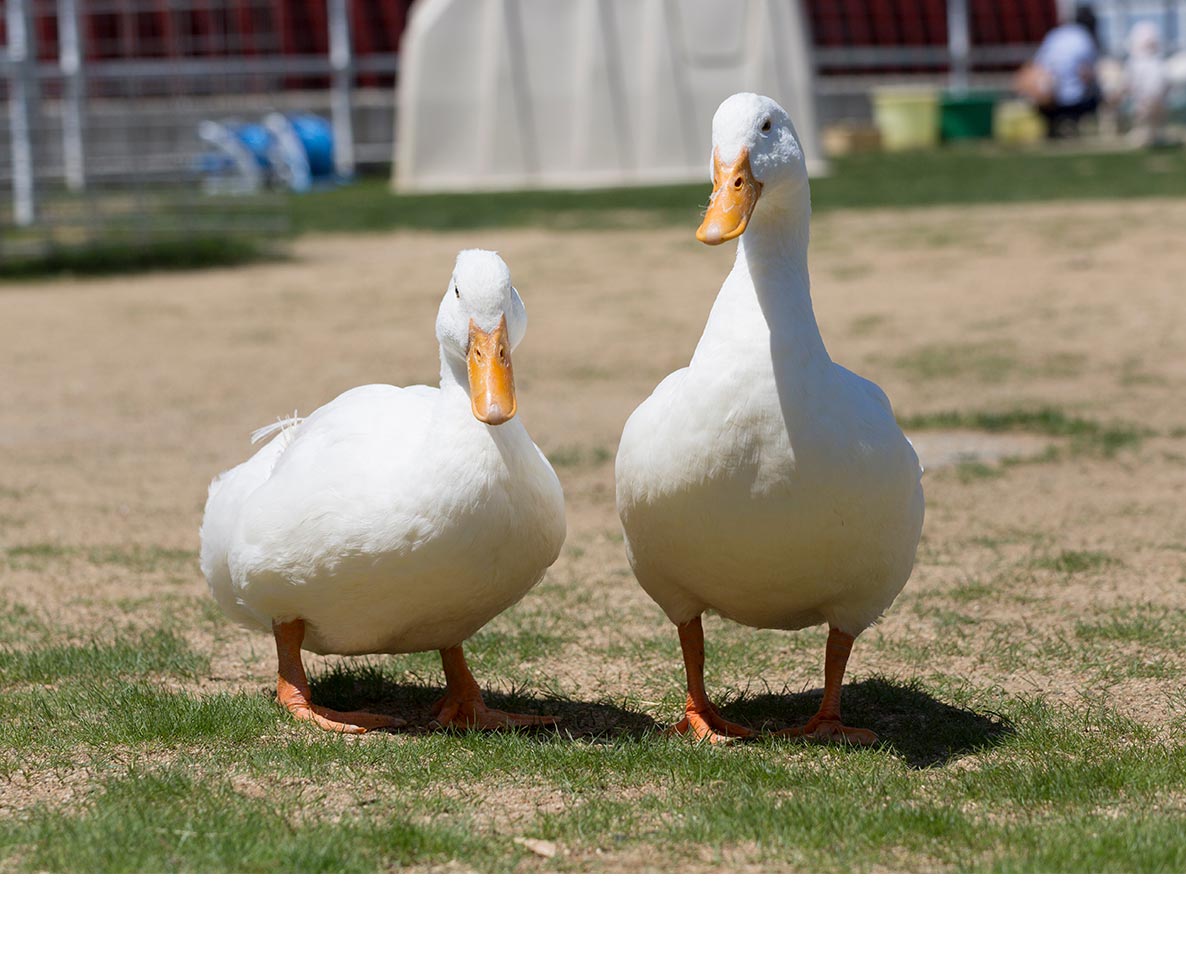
(735, 192)
(491, 380)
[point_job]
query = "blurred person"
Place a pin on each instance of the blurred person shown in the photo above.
(1061, 79)
(1146, 83)
(1113, 84)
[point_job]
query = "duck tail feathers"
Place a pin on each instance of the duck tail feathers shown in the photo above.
(283, 425)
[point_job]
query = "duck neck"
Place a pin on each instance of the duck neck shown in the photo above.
(454, 378)
(772, 256)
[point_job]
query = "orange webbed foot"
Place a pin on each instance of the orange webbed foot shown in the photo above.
(826, 726)
(340, 722)
(292, 689)
(701, 718)
(471, 713)
(463, 708)
(708, 725)
(830, 730)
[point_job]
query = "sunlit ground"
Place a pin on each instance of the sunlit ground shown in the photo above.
(1029, 686)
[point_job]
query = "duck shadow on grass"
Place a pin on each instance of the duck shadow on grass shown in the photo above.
(368, 689)
(919, 728)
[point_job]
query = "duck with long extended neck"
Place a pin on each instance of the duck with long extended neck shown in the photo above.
(395, 520)
(764, 481)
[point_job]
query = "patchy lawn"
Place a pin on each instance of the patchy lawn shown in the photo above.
(1029, 686)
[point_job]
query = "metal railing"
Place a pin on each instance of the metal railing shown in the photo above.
(82, 131)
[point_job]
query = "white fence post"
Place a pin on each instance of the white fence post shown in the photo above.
(341, 62)
(22, 96)
(959, 43)
(70, 60)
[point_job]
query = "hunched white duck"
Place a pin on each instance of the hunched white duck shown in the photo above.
(764, 481)
(395, 520)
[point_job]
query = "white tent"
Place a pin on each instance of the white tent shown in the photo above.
(499, 94)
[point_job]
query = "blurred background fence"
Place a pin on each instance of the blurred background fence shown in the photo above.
(106, 99)
(117, 110)
(863, 44)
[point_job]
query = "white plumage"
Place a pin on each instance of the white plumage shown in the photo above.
(393, 520)
(764, 481)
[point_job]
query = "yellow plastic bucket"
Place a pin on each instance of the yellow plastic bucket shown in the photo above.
(906, 117)
(1018, 123)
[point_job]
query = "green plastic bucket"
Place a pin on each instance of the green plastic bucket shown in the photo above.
(964, 116)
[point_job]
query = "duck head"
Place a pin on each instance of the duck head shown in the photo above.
(755, 155)
(480, 322)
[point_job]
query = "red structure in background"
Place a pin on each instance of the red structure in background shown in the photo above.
(148, 29)
(133, 29)
(838, 24)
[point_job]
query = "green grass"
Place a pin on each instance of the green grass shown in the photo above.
(951, 176)
(20, 626)
(140, 229)
(369, 205)
(1084, 434)
(970, 592)
(147, 822)
(976, 471)
(1144, 625)
(1050, 790)
(986, 362)
(38, 551)
(1075, 561)
(966, 175)
(143, 559)
(154, 651)
(1126, 643)
(975, 174)
(964, 780)
(575, 456)
(104, 257)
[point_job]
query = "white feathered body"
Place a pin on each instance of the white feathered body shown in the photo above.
(390, 520)
(766, 482)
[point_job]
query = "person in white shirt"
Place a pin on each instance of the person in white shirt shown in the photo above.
(1068, 58)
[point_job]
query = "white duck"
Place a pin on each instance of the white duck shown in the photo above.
(764, 481)
(395, 520)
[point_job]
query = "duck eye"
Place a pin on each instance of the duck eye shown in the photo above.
(766, 125)
(456, 292)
